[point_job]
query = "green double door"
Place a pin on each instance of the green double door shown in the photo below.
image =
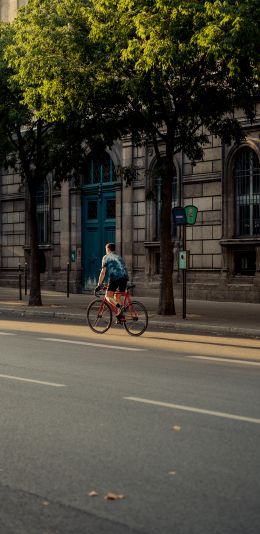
(98, 228)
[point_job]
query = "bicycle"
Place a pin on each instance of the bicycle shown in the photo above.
(133, 314)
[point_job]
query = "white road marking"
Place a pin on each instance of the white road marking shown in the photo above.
(86, 343)
(53, 384)
(7, 334)
(225, 360)
(195, 410)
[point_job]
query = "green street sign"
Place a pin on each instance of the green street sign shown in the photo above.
(191, 214)
(183, 259)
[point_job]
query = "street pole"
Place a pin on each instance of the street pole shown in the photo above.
(25, 278)
(20, 282)
(184, 276)
(68, 280)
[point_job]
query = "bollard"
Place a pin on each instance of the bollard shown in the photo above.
(25, 278)
(68, 280)
(20, 282)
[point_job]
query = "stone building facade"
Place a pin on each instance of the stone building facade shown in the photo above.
(76, 222)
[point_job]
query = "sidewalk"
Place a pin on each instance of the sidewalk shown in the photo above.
(203, 317)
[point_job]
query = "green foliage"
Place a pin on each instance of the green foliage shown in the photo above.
(35, 144)
(145, 66)
(233, 32)
(55, 61)
(127, 174)
(49, 38)
(175, 60)
(29, 145)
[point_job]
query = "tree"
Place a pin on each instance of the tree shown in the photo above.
(174, 67)
(183, 77)
(36, 147)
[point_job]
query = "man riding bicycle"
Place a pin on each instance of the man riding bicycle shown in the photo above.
(115, 270)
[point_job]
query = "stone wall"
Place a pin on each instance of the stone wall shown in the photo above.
(202, 187)
(12, 216)
(56, 229)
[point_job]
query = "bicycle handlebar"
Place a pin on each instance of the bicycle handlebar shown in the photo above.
(98, 289)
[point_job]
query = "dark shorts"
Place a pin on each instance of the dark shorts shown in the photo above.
(119, 283)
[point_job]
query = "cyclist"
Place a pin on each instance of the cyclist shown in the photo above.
(115, 270)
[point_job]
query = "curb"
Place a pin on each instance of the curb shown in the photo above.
(7, 312)
(175, 326)
(217, 330)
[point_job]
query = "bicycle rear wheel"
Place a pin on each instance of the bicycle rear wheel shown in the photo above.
(136, 319)
(99, 316)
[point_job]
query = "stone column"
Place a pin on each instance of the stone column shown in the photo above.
(257, 272)
(225, 271)
(127, 210)
(75, 238)
(65, 226)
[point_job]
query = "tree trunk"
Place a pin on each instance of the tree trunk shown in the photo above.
(35, 288)
(166, 301)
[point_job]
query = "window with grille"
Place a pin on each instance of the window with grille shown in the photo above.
(99, 169)
(247, 193)
(42, 208)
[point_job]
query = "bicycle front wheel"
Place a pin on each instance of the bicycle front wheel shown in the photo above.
(136, 319)
(99, 316)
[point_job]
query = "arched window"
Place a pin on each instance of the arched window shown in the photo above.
(158, 197)
(99, 169)
(43, 208)
(247, 193)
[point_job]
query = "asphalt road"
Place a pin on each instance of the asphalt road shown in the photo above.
(168, 423)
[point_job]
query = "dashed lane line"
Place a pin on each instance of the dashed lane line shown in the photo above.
(41, 382)
(225, 360)
(195, 410)
(7, 334)
(88, 344)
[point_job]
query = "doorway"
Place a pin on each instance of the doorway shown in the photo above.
(98, 216)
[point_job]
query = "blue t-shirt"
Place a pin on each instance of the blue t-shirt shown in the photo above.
(115, 266)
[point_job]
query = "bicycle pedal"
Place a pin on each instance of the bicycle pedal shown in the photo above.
(120, 320)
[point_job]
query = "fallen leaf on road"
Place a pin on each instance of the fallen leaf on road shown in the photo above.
(176, 428)
(172, 473)
(113, 497)
(45, 503)
(92, 494)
